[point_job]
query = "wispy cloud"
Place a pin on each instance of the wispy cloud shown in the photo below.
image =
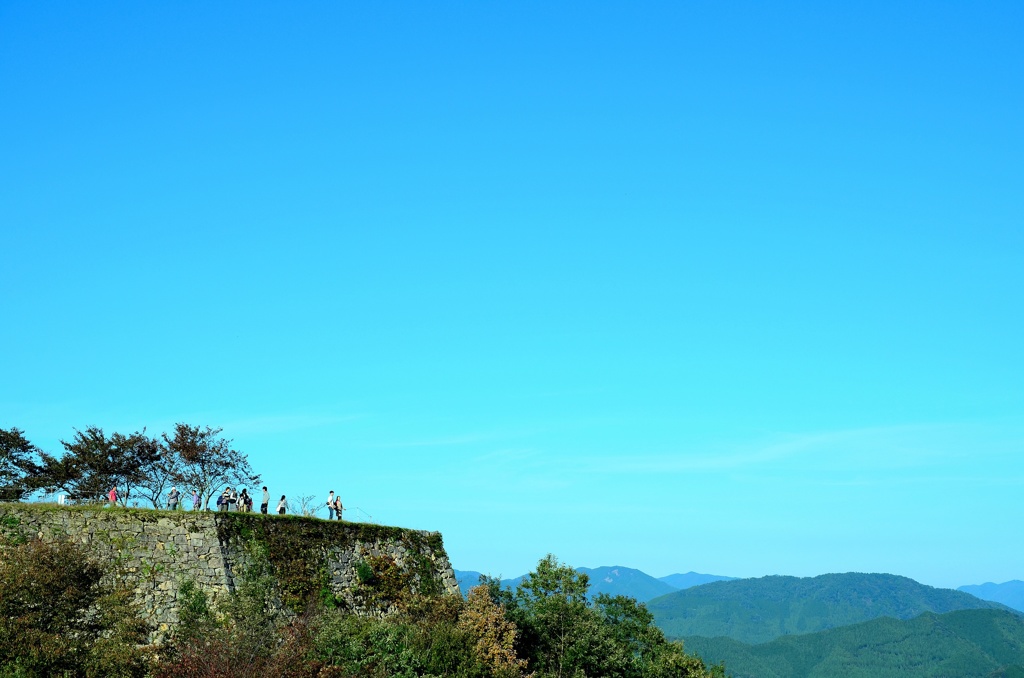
(977, 480)
(893, 447)
(459, 439)
(443, 441)
(285, 422)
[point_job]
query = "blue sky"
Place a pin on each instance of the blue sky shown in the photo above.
(734, 288)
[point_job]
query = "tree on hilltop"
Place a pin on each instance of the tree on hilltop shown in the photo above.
(93, 464)
(207, 461)
(159, 474)
(562, 633)
(18, 465)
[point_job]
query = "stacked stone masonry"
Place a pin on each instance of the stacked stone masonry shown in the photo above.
(158, 550)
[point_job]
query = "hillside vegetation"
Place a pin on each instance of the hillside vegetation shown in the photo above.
(964, 644)
(759, 610)
(59, 616)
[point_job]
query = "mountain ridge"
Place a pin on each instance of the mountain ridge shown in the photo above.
(762, 609)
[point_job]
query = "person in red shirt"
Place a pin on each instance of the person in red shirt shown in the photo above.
(112, 496)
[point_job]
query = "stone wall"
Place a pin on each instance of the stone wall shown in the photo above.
(158, 550)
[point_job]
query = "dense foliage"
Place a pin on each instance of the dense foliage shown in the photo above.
(759, 610)
(93, 463)
(59, 618)
(546, 629)
(563, 633)
(965, 643)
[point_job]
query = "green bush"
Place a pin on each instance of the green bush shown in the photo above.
(364, 572)
(195, 616)
(57, 618)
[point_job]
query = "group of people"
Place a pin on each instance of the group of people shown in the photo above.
(230, 500)
(242, 502)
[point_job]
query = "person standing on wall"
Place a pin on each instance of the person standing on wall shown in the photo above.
(222, 500)
(195, 500)
(330, 505)
(266, 501)
(112, 496)
(281, 506)
(338, 508)
(172, 499)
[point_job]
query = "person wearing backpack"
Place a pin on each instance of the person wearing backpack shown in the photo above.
(330, 505)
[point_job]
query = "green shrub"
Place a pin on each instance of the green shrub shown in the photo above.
(57, 618)
(195, 616)
(364, 572)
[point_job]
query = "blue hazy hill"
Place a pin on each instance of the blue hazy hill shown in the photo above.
(1010, 593)
(625, 581)
(614, 580)
(467, 579)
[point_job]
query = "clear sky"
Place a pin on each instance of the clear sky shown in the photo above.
(727, 287)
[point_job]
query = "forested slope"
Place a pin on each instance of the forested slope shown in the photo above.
(964, 644)
(759, 610)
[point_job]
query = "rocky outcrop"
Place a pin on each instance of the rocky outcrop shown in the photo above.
(158, 550)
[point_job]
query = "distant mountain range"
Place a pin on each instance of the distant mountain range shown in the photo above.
(760, 610)
(1009, 593)
(690, 579)
(965, 643)
(613, 580)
